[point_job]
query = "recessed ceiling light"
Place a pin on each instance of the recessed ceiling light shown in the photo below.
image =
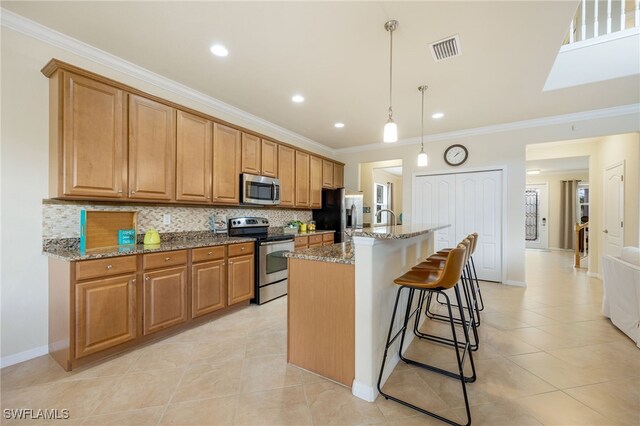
(339, 125)
(297, 98)
(437, 115)
(219, 50)
(533, 172)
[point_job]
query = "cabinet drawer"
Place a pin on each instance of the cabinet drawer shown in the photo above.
(315, 239)
(165, 258)
(327, 237)
(105, 267)
(207, 253)
(240, 249)
(301, 242)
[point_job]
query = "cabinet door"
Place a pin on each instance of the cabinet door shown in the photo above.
(250, 154)
(105, 313)
(327, 174)
(93, 159)
(286, 174)
(226, 164)
(152, 145)
(269, 158)
(338, 176)
(302, 179)
(208, 283)
(240, 279)
(165, 299)
(315, 182)
(193, 158)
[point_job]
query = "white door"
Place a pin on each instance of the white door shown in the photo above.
(470, 202)
(536, 216)
(434, 202)
(479, 209)
(613, 209)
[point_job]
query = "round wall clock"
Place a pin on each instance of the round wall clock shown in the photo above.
(456, 155)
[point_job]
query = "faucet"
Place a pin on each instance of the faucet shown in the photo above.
(379, 214)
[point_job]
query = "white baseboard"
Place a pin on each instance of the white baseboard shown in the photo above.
(594, 275)
(23, 356)
(363, 391)
(515, 283)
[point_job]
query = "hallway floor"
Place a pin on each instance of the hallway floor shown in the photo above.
(547, 356)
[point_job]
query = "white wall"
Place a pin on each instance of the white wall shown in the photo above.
(554, 182)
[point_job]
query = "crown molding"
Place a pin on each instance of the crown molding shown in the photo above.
(506, 127)
(52, 37)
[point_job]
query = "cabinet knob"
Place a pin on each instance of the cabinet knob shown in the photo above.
(166, 259)
(109, 266)
(133, 280)
(242, 248)
(147, 278)
(210, 253)
(120, 191)
(133, 192)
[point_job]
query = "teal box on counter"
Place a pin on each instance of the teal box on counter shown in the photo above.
(126, 236)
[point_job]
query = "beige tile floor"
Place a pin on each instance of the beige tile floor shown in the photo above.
(547, 356)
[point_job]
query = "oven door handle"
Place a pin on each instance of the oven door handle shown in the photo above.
(270, 243)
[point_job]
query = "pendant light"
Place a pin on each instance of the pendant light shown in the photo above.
(423, 160)
(390, 129)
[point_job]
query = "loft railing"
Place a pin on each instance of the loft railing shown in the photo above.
(596, 18)
(581, 242)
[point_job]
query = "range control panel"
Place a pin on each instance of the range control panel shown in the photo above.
(248, 222)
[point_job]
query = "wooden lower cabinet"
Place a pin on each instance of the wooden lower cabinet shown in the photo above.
(241, 279)
(105, 313)
(164, 299)
(208, 284)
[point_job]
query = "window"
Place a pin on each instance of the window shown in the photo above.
(380, 203)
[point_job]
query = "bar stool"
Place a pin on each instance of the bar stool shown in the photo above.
(432, 264)
(432, 281)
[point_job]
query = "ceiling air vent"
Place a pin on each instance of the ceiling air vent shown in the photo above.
(446, 48)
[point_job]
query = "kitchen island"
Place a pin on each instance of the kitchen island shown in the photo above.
(341, 299)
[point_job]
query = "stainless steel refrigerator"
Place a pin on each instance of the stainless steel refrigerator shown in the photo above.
(341, 210)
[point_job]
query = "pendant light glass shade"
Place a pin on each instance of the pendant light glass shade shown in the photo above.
(390, 131)
(423, 159)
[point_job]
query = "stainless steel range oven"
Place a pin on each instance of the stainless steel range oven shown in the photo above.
(271, 265)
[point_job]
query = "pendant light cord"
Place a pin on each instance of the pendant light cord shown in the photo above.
(422, 123)
(390, 73)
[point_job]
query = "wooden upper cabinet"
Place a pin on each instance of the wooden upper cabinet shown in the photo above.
(327, 174)
(302, 179)
(338, 175)
(93, 158)
(269, 159)
(193, 158)
(152, 147)
(226, 164)
(286, 174)
(315, 182)
(251, 149)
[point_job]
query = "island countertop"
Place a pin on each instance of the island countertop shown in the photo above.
(334, 253)
(394, 232)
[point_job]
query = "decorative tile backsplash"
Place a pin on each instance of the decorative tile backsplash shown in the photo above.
(61, 219)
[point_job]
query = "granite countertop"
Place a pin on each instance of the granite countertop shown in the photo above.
(334, 253)
(280, 231)
(407, 230)
(73, 254)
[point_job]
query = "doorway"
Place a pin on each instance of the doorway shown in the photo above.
(381, 186)
(536, 216)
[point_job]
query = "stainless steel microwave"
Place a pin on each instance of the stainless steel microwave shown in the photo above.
(261, 190)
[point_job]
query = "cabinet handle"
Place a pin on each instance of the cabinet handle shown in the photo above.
(109, 266)
(166, 259)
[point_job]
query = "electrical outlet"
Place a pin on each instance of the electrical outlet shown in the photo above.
(166, 219)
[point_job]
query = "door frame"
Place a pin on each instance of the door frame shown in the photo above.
(546, 201)
(503, 200)
(603, 237)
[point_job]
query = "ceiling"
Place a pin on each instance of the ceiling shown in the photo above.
(336, 54)
(559, 165)
(396, 171)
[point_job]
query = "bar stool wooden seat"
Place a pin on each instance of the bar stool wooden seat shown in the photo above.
(433, 281)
